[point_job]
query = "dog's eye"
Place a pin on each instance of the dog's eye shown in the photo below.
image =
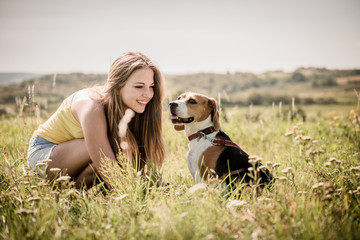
(192, 101)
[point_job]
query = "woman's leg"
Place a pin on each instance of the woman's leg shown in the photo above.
(87, 177)
(72, 158)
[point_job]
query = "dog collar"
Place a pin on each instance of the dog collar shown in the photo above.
(217, 142)
(205, 131)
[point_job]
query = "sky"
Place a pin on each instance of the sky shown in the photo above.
(189, 36)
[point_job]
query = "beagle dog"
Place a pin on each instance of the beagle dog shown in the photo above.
(211, 151)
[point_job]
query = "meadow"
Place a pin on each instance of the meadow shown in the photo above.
(316, 194)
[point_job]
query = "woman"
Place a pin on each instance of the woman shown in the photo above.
(85, 128)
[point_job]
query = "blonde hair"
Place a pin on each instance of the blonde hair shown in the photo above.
(144, 135)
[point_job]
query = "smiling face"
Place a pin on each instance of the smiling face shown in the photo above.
(138, 90)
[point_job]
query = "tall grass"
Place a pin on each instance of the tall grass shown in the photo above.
(316, 194)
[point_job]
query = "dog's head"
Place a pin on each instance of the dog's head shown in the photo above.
(191, 108)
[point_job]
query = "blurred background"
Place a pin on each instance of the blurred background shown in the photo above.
(238, 51)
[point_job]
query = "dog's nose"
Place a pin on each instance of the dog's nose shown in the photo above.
(173, 104)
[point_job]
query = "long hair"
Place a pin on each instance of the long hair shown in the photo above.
(144, 133)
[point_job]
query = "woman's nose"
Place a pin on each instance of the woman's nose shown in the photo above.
(147, 92)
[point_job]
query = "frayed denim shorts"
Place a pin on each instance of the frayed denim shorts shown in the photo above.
(39, 150)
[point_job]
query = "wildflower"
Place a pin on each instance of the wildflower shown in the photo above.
(250, 169)
(313, 152)
(306, 138)
(264, 199)
(289, 133)
(33, 199)
(298, 137)
(184, 214)
(252, 157)
(327, 164)
(197, 187)
(261, 167)
(276, 165)
(287, 170)
(235, 203)
(55, 170)
(46, 161)
(39, 164)
(355, 169)
(326, 198)
(63, 179)
(328, 186)
(301, 192)
(41, 184)
(255, 160)
(281, 178)
(318, 185)
(26, 211)
(269, 164)
(121, 197)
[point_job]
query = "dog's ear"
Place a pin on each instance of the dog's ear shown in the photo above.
(214, 114)
(179, 127)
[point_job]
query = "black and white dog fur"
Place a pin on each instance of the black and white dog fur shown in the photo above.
(211, 152)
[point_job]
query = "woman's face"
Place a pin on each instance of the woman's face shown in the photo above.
(138, 90)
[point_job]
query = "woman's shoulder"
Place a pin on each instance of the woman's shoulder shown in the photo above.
(83, 94)
(83, 103)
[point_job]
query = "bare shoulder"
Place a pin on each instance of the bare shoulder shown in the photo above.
(83, 106)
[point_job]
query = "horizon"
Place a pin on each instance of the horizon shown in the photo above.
(190, 73)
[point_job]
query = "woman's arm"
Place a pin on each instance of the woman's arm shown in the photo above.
(92, 119)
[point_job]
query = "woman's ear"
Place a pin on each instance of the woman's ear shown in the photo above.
(179, 127)
(214, 114)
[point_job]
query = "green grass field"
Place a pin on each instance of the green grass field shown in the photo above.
(316, 194)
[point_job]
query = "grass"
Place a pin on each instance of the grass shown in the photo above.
(316, 194)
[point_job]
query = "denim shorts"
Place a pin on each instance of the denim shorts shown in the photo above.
(39, 150)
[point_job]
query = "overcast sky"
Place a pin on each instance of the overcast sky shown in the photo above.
(61, 36)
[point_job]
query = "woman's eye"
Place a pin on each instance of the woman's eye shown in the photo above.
(192, 101)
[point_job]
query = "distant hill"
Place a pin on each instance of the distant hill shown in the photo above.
(306, 85)
(9, 78)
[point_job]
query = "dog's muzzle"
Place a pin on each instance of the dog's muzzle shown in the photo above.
(175, 119)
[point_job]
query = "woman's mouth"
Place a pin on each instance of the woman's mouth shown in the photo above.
(142, 102)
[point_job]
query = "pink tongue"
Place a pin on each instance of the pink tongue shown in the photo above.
(173, 117)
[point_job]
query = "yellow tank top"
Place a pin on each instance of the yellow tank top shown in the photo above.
(62, 125)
